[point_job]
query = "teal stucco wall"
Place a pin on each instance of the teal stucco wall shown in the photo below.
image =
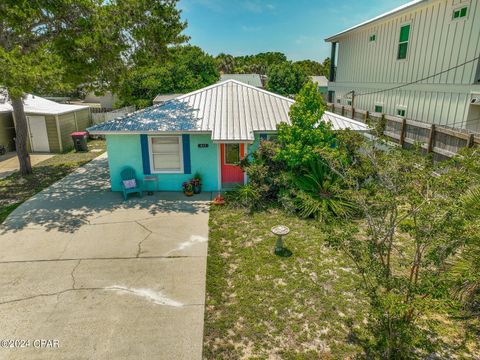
(125, 150)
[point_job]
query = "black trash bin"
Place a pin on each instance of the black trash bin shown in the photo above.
(80, 140)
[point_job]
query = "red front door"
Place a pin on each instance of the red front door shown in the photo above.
(231, 154)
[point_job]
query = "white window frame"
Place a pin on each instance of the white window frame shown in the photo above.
(409, 41)
(458, 8)
(401, 107)
(150, 153)
(379, 104)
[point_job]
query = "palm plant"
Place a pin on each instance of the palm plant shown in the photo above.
(465, 269)
(320, 195)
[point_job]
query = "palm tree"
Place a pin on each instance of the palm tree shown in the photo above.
(465, 268)
(225, 63)
(320, 195)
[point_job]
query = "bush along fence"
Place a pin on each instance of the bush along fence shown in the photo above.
(442, 141)
(100, 115)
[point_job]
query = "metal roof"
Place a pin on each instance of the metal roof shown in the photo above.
(160, 98)
(249, 79)
(340, 122)
(37, 105)
(321, 81)
(230, 111)
(384, 15)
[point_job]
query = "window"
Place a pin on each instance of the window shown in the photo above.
(166, 154)
(378, 109)
(403, 44)
(401, 112)
(373, 37)
(232, 154)
(338, 101)
(349, 102)
(460, 13)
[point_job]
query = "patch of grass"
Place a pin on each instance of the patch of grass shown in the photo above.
(260, 306)
(15, 189)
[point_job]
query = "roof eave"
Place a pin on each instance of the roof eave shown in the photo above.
(383, 16)
(139, 132)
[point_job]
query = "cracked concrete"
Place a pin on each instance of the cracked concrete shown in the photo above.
(107, 278)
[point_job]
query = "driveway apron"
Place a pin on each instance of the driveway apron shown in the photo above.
(99, 278)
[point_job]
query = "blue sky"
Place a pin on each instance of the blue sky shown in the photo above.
(296, 27)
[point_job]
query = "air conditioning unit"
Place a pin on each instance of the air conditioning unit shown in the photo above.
(475, 100)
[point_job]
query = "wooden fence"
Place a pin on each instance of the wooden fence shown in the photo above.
(443, 142)
(100, 115)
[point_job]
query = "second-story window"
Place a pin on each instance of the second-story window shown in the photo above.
(403, 44)
(373, 37)
(460, 13)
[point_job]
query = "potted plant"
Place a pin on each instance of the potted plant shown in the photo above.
(187, 188)
(197, 183)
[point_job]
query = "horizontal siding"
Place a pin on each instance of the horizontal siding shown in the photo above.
(7, 131)
(436, 43)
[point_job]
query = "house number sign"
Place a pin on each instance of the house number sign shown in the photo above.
(202, 145)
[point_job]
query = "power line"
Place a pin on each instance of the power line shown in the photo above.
(419, 80)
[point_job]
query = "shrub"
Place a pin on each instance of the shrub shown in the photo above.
(246, 196)
(265, 172)
(319, 194)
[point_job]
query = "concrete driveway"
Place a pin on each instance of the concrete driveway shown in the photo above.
(9, 162)
(102, 278)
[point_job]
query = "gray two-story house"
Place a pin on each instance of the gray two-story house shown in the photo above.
(419, 61)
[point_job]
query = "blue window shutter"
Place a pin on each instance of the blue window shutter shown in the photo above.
(263, 137)
(187, 165)
(145, 154)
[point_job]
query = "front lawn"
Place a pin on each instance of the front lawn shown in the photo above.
(260, 306)
(16, 189)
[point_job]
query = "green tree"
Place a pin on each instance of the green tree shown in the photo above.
(311, 67)
(326, 67)
(413, 221)
(301, 140)
(50, 45)
(225, 63)
(188, 69)
(256, 64)
(286, 78)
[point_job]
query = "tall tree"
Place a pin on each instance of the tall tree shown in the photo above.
(48, 45)
(286, 78)
(225, 63)
(301, 140)
(326, 67)
(311, 67)
(188, 69)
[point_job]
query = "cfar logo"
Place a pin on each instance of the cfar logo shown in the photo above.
(46, 343)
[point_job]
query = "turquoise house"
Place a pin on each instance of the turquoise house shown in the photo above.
(207, 131)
